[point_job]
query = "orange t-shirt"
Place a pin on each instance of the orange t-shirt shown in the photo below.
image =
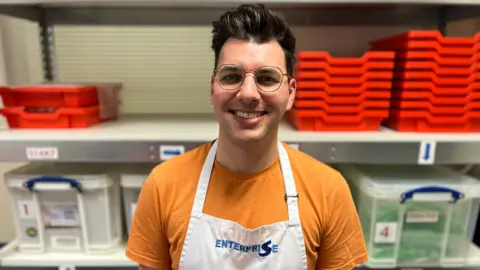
(331, 227)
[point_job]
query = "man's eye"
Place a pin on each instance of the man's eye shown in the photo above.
(231, 78)
(267, 80)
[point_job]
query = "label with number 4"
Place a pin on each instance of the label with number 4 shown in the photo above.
(385, 232)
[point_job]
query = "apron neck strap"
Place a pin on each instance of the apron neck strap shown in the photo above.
(291, 195)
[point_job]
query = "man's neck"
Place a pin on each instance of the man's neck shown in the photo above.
(248, 157)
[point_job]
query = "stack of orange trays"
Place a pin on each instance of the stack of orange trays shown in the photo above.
(436, 85)
(342, 94)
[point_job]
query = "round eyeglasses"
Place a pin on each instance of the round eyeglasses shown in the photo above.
(267, 78)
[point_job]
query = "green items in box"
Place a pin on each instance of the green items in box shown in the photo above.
(413, 215)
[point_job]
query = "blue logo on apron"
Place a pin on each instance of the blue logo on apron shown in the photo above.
(263, 250)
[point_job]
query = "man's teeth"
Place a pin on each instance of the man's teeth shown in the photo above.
(247, 115)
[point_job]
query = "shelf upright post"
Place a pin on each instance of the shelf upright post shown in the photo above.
(48, 45)
(442, 19)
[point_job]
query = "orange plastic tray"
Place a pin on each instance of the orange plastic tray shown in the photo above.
(338, 69)
(343, 79)
(345, 100)
(44, 96)
(422, 121)
(434, 57)
(436, 90)
(429, 46)
(317, 120)
(344, 61)
(342, 109)
(436, 79)
(59, 118)
(435, 99)
(436, 68)
(344, 87)
(429, 35)
(435, 109)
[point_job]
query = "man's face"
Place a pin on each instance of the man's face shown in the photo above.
(248, 113)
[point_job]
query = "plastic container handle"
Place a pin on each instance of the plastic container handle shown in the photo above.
(432, 189)
(30, 184)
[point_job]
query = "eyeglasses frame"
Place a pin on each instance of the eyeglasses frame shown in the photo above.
(255, 78)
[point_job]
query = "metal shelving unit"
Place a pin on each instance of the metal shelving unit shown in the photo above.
(140, 138)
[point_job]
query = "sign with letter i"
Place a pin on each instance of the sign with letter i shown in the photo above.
(426, 153)
(26, 209)
(385, 232)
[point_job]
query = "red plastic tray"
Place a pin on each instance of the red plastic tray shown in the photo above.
(341, 109)
(345, 100)
(422, 121)
(435, 109)
(440, 70)
(59, 118)
(342, 87)
(44, 96)
(343, 79)
(429, 35)
(436, 99)
(436, 90)
(345, 61)
(436, 79)
(429, 46)
(317, 120)
(338, 69)
(434, 57)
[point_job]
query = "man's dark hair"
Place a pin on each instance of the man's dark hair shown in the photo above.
(254, 23)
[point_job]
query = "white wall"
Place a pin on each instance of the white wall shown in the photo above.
(19, 63)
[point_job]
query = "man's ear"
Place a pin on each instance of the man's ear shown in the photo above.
(212, 81)
(292, 90)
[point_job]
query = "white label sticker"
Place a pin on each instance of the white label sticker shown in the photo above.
(294, 145)
(42, 153)
(426, 153)
(169, 151)
(65, 242)
(66, 267)
(422, 217)
(60, 214)
(133, 207)
(26, 209)
(385, 232)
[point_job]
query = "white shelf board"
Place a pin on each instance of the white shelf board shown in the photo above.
(66, 3)
(12, 258)
(138, 139)
(117, 259)
(198, 128)
(474, 256)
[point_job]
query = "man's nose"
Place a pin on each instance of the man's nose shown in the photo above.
(249, 89)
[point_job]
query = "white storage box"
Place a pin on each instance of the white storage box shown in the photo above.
(132, 180)
(65, 208)
(414, 216)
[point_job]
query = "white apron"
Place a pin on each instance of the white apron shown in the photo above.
(217, 244)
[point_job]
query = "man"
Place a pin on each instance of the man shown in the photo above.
(246, 201)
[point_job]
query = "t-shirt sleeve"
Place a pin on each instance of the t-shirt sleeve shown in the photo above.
(147, 242)
(342, 244)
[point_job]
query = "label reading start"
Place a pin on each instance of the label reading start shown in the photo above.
(263, 250)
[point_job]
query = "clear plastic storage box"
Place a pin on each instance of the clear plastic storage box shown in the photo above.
(414, 216)
(132, 179)
(65, 208)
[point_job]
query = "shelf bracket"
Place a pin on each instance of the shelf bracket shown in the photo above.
(48, 46)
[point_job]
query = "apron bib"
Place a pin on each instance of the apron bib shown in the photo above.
(213, 243)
